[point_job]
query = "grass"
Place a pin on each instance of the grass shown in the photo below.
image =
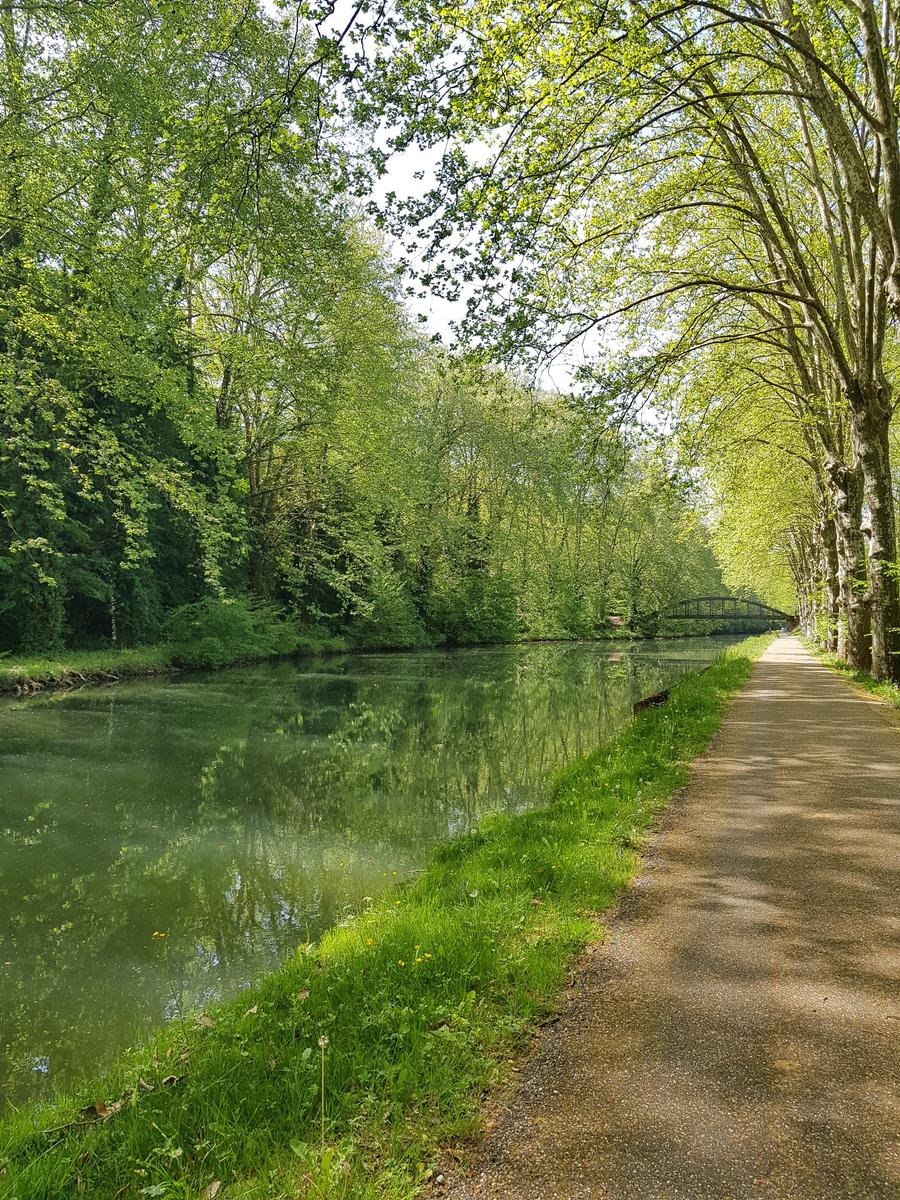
(73, 667)
(889, 692)
(343, 1073)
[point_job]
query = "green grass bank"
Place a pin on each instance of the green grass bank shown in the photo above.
(344, 1073)
(889, 692)
(215, 632)
(74, 668)
(23, 675)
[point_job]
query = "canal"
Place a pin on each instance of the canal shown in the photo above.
(167, 841)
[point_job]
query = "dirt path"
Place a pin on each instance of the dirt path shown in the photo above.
(739, 1033)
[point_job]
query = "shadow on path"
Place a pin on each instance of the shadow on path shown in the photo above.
(738, 1035)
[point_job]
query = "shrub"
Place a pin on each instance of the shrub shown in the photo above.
(472, 608)
(219, 630)
(387, 617)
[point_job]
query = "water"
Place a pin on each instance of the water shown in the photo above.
(239, 813)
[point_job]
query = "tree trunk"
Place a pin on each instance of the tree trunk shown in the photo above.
(871, 412)
(830, 574)
(258, 557)
(845, 494)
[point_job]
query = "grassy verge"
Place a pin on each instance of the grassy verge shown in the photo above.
(889, 692)
(342, 1074)
(75, 667)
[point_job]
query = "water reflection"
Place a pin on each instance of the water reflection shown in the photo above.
(242, 812)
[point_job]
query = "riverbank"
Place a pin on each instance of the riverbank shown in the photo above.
(405, 1014)
(78, 668)
(75, 668)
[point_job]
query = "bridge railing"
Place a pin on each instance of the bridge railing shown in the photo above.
(717, 608)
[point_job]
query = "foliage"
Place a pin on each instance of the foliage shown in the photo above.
(209, 386)
(694, 186)
(210, 633)
(413, 1006)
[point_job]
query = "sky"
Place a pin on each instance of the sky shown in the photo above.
(400, 179)
(440, 314)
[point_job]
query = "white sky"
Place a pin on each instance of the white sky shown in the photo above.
(440, 314)
(400, 178)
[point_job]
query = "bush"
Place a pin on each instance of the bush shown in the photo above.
(473, 608)
(573, 610)
(221, 630)
(387, 617)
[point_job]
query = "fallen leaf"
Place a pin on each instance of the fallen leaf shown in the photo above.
(205, 1021)
(304, 995)
(212, 1190)
(535, 902)
(270, 1063)
(171, 1080)
(251, 1010)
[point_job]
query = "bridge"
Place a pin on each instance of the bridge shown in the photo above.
(722, 608)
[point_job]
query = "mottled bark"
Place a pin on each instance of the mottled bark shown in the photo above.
(845, 494)
(830, 581)
(877, 37)
(803, 558)
(871, 422)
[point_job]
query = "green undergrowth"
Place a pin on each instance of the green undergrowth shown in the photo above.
(24, 673)
(889, 692)
(71, 668)
(407, 1012)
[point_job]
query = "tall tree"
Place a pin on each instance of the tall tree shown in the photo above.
(708, 150)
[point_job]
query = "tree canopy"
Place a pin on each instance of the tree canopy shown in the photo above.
(682, 182)
(210, 387)
(213, 389)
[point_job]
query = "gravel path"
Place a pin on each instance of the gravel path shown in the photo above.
(738, 1034)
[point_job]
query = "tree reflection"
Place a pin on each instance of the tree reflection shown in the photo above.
(239, 814)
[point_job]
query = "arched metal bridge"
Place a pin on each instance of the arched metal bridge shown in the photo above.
(721, 608)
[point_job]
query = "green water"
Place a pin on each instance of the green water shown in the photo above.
(241, 812)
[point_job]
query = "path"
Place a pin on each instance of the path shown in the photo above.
(738, 1035)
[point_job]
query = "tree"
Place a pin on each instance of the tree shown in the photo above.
(705, 151)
